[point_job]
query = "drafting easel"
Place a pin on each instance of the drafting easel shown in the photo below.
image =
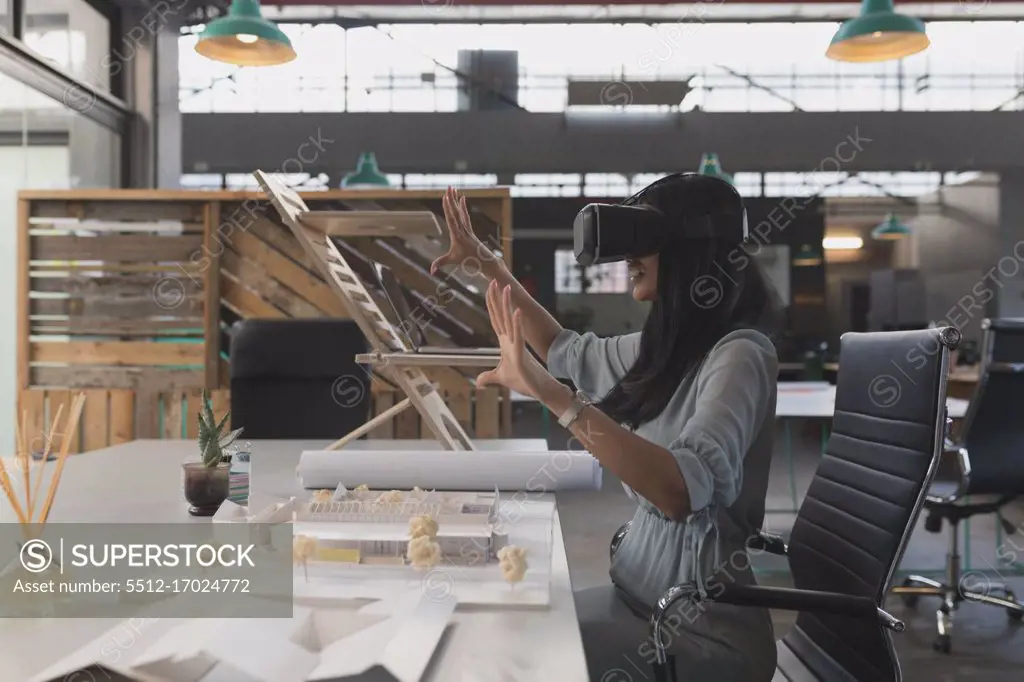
(390, 356)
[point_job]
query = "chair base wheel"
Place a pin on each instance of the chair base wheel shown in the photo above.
(1016, 615)
(909, 598)
(943, 644)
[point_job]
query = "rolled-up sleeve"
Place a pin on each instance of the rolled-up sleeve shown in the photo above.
(593, 363)
(735, 388)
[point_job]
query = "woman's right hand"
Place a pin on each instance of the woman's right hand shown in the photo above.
(464, 242)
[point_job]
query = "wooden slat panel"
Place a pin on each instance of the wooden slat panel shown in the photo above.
(139, 285)
(173, 428)
(126, 247)
(122, 416)
(407, 425)
(33, 405)
(311, 287)
(221, 401)
(244, 302)
(487, 412)
(192, 408)
(23, 286)
(263, 284)
(142, 196)
(96, 420)
(116, 377)
(211, 301)
(283, 241)
(147, 413)
(505, 424)
(106, 268)
(456, 391)
(114, 207)
(371, 223)
(118, 353)
(382, 402)
(112, 326)
(56, 400)
(127, 307)
(171, 227)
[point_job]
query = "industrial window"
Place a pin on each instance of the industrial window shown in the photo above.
(606, 278)
(443, 181)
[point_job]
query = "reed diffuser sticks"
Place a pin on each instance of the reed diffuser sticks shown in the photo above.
(25, 509)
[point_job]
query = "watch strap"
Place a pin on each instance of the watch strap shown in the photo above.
(579, 401)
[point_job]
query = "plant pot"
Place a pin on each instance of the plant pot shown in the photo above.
(205, 487)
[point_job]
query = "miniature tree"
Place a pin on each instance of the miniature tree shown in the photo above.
(362, 488)
(423, 552)
(303, 549)
(512, 561)
(422, 526)
(323, 496)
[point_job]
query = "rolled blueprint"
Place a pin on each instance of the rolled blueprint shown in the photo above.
(540, 471)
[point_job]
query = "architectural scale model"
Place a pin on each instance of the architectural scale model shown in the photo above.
(376, 527)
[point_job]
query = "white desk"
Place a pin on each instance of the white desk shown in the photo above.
(817, 400)
(140, 482)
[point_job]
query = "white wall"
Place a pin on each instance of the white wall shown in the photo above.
(957, 239)
(20, 168)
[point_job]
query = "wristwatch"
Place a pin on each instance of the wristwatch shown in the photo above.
(579, 401)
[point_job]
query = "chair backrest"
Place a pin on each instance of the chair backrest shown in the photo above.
(863, 502)
(298, 378)
(993, 429)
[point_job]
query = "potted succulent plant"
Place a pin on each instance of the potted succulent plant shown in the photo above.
(206, 481)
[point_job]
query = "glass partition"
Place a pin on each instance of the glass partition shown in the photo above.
(71, 34)
(43, 145)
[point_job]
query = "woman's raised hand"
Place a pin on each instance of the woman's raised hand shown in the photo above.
(517, 369)
(464, 242)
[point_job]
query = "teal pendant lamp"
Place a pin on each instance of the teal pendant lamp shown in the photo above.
(878, 34)
(891, 229)
(806, 256)
(245, 38)
(710, 165)
(367, 174)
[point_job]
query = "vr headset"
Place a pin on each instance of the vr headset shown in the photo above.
(604, 233)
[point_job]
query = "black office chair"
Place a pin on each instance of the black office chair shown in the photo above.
(993, 434)
(298, 378)
(855, 522)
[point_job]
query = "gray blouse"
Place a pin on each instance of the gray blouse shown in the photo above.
(719, 426)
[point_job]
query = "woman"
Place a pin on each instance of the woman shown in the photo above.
(685, 419)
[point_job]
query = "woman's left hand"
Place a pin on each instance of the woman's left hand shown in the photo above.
(517, 369)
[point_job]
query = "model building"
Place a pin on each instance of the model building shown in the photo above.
(375, 527)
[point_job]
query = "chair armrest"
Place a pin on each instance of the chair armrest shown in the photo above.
(768, 542)
(618, 537)
(954, 467)
(786, 599)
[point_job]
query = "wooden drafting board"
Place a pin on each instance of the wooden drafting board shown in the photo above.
(381, 334)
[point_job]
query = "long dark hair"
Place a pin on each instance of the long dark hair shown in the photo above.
(707, 287)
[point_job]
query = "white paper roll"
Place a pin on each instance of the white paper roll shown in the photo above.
(542, 471)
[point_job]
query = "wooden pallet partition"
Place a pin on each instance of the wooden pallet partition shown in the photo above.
(129, 295)
(114, 294)
(478, 411)
(114, 416)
